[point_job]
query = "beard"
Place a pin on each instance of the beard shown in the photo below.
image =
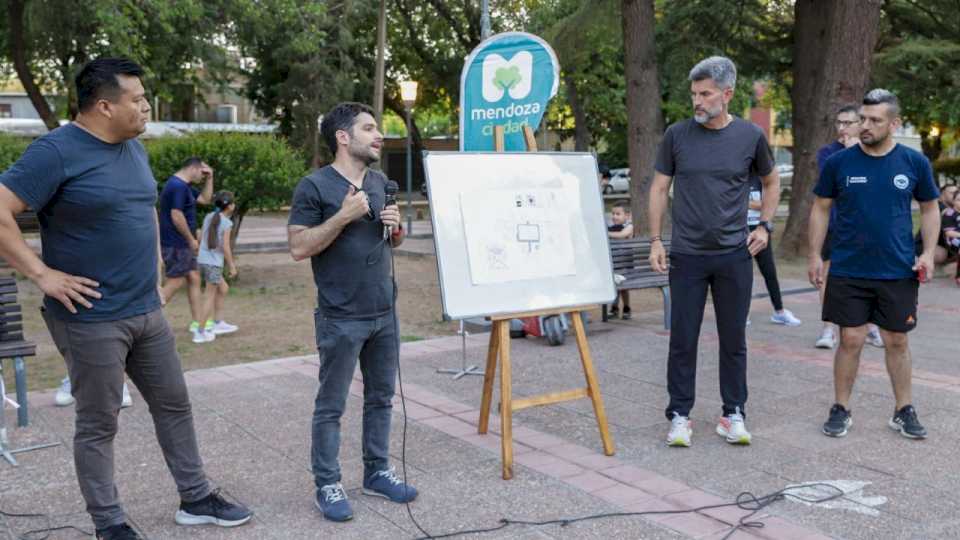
(873, 140)
(365, 155)
(705, 115)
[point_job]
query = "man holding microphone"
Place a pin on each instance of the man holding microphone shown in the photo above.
(337, 219)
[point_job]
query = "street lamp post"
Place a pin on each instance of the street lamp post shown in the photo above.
(408, 93)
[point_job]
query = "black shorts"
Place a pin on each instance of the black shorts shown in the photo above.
(178, 261)
(890, 304)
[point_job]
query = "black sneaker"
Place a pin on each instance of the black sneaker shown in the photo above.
(614, 312)
(213, 509)
(118, 532)
(626, 314)
(838, 423)
(905, 421)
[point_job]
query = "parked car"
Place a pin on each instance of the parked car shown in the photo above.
(619, 182)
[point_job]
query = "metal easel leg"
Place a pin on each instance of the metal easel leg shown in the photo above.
(5, 451)
(464, 369)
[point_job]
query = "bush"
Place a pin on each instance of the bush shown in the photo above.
(261, 170)
(11, 148)
(949, 167)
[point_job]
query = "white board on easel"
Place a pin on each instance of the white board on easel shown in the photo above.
(518, 232)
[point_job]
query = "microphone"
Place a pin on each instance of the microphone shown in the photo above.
(391, 190)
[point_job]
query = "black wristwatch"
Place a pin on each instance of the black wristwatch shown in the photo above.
(768, 225)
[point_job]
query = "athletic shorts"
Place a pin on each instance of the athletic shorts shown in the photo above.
(890, 304)
(211, 274)
(178, 262)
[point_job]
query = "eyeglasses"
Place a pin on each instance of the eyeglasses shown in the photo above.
(846, 123)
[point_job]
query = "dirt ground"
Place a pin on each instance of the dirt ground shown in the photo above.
(272, 302)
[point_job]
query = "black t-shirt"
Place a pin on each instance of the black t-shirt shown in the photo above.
(949, 221)
(711, 170)
(353, 273)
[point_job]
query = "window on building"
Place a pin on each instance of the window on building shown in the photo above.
(6, 110)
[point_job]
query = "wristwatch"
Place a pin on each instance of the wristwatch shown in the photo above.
(768, 225)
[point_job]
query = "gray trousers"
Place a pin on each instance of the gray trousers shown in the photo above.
(97, 355)
(341, 343)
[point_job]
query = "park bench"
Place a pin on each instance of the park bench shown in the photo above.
(12, 344)
(631, 260)
(28, 223)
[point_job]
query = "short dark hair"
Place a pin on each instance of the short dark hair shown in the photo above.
(880, 95)
(98, 80)
(848, 108)
(341, 118)
(192, 161)
(624, 205)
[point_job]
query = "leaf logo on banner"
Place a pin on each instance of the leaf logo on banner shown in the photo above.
(501, 76)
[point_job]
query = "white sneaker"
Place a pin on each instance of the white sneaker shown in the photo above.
(223, 327)
(874, 338)
(785, 317)
(127, 401)
(202, 336)
(64, 398)
(680, 431)
(733, 428)
(826, 340)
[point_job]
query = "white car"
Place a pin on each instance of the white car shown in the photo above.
(619, 182)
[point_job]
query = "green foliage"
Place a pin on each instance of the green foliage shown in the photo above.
(11, 148)
(261, 171)
(949, 167)
(306, 58)
(168, 37)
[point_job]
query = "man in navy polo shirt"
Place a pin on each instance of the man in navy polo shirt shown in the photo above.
(178, 243)
(874, 273)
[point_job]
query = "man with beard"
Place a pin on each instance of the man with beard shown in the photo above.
(873, 270)
(91, 185)
(337, 219)
(710, 159)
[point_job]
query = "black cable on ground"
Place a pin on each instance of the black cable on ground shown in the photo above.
(32, 535)
(745, 501)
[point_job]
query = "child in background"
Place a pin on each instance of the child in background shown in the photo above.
(622, 228)
(214, 252)
(950, 229)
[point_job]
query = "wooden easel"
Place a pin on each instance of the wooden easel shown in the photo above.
(499, 347)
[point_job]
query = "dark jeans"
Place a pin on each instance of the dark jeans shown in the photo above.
(340, 343)
(730, 280)
(97, 354)
(768, 269)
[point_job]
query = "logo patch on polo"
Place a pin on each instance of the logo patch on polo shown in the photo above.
(901, 181)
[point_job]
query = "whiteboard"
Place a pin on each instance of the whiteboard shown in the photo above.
(518, 231)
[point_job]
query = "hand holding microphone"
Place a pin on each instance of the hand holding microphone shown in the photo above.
(390, 215)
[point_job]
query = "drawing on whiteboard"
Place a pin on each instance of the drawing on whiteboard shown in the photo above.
(514, 235)
(529, 233)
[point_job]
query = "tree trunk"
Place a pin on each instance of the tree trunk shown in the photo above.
(18, 55)
(644, 117)
(581, 135)
(932, 145)
(844, 35)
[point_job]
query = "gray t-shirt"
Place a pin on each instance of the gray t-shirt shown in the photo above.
(711, 170)
(353, 273)
(96, 205)
(213, 257)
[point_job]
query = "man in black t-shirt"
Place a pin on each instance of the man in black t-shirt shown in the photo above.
(337, 219)
(709, 160)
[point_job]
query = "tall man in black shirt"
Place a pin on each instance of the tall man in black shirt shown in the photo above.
(710, 159)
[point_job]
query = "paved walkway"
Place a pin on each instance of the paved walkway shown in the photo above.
(254, 423)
